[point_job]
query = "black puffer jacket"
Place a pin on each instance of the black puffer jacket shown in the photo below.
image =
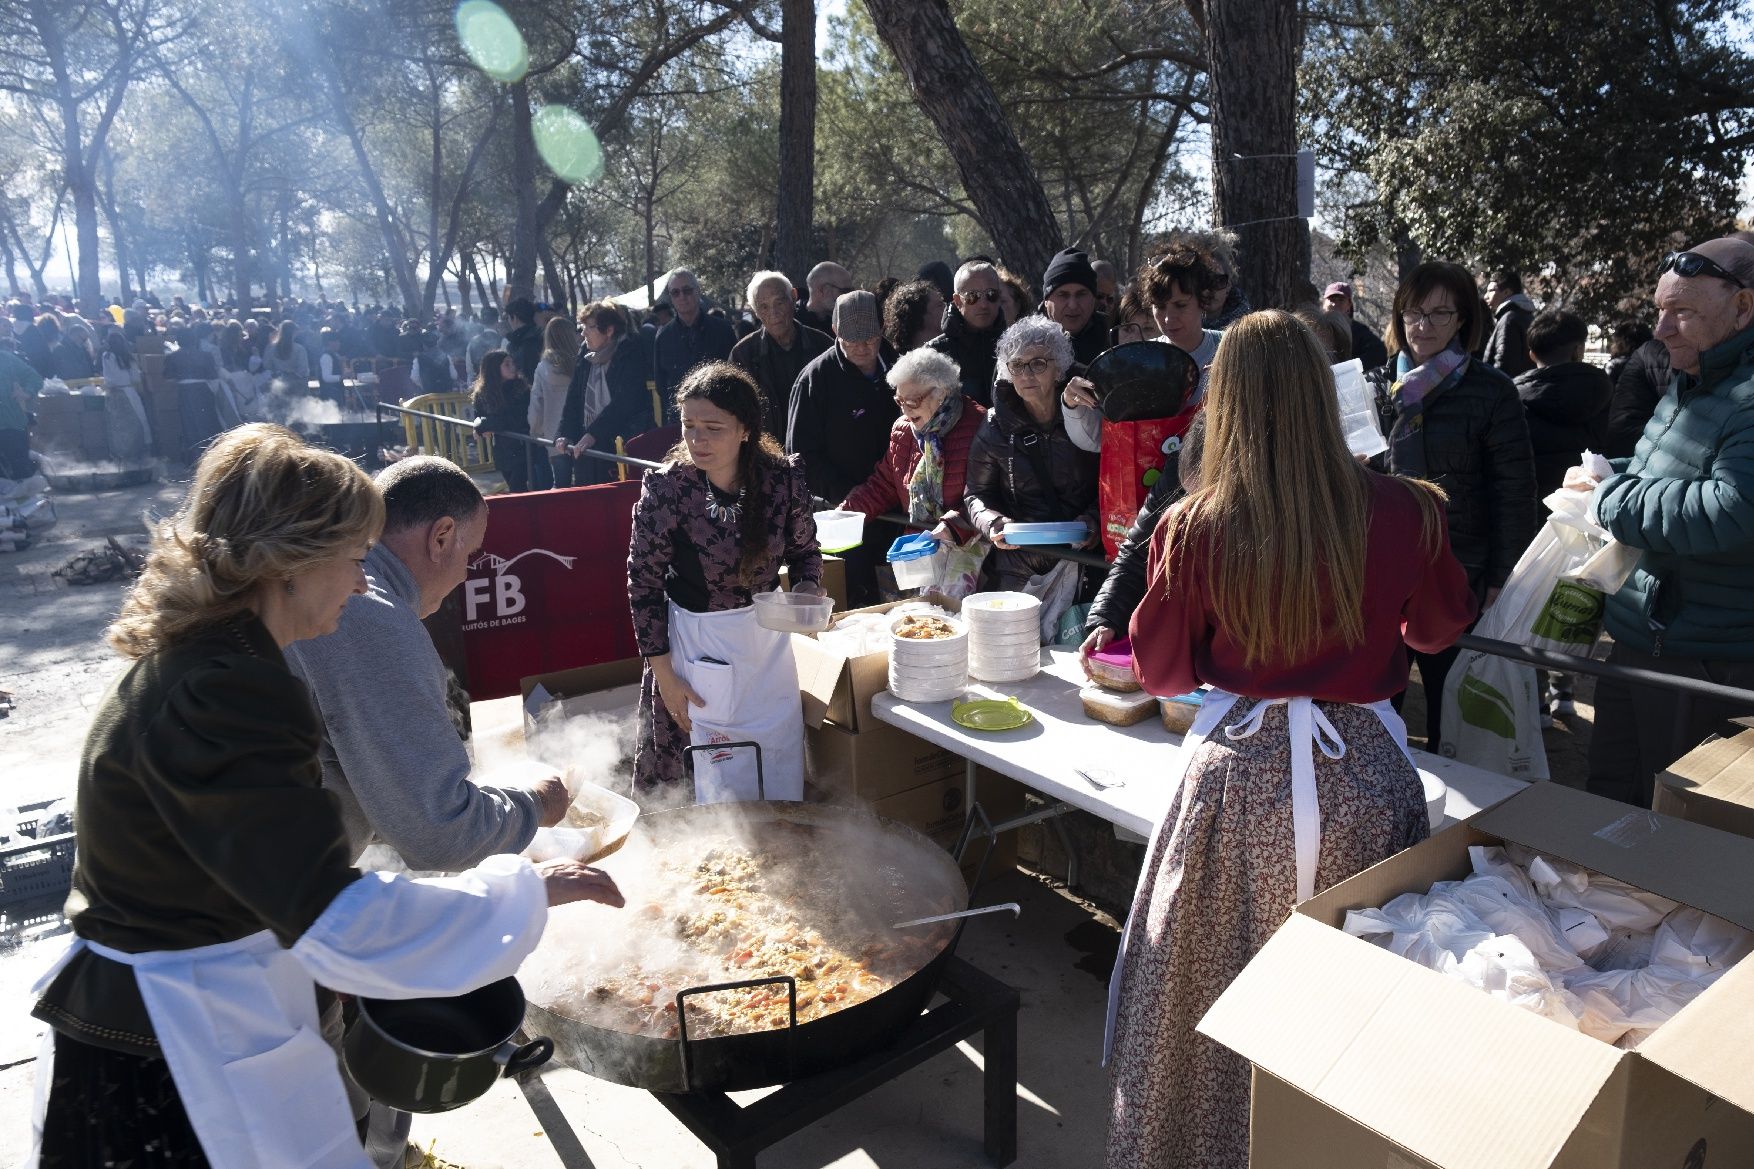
(1477, 449)
(973, 350)
(1003, 483)
(1640, 385)
(1567, 408)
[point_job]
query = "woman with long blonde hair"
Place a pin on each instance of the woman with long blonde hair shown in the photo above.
(1291, 580)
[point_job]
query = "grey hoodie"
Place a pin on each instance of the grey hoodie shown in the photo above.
(390, 752)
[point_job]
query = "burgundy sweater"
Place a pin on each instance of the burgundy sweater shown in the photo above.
(1410, 599)
(886, 489)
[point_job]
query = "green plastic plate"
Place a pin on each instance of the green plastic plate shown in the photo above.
(990, 714)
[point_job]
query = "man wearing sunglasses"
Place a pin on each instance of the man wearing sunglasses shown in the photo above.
(972, 327)
(1686, 500)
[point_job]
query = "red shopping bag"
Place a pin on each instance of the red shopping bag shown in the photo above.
(1134, 456)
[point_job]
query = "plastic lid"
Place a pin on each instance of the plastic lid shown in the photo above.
(1117, 653)
(915, 547)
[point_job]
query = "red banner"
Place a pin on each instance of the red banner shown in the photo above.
(548, 590)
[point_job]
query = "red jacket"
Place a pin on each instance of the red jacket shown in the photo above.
(886, 489)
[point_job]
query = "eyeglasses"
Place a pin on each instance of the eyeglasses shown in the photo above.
(1035, 366)
(1220, 280)
(1441, 318)
(837, 289)
(1691, 264)
(912, 403)
(683, 291)
(973, 295)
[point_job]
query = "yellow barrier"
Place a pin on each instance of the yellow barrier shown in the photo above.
(463, 446)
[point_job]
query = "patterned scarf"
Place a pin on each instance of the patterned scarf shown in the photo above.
(925, 490)
(1414, 387)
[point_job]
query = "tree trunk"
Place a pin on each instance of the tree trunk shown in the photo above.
(950, 87)
(797, 186)
(1408, 255)
(86, 288)
(242, 278)
(107, 201)
(1251, 53)
(521, 276)
(12, 286)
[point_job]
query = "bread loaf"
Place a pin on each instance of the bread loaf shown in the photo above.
(1119, 710)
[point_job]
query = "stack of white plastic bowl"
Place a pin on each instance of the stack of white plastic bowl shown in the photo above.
(928, 669)
(1004, 636)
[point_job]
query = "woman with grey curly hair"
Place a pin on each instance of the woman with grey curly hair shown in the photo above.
(1024, 467)
(926, 466)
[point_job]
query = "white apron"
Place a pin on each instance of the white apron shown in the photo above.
(1309, 729)
(749, 683)
(237, 1022)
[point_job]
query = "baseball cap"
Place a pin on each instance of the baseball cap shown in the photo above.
(1338, 288)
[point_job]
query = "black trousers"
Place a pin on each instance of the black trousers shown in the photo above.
(15, 454)
(1635, 737)
(107, 1108)
(512, 458)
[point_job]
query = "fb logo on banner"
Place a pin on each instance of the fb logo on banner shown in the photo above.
(503, 589)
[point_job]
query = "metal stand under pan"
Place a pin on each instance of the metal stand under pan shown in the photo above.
(974, 1002)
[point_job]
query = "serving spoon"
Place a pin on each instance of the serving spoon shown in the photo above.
(1015, 909)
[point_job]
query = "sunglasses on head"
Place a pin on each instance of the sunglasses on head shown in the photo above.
(1691, 264)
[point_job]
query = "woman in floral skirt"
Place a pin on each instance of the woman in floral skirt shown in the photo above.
(1291, 580)
(712, 527)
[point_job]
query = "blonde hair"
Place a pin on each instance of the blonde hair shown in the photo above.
(1282, 510)
(263, 507)
(560, 345)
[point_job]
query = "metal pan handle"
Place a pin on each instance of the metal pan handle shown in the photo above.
(760, 775)
(791, 985)
(515, 1060)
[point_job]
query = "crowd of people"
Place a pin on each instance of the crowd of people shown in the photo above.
(1298, 582)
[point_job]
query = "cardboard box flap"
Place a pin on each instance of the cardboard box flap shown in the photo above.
(1713, 784)
(1413, 1055)
(820, 675)
(1711, 1042)
(1693, 864)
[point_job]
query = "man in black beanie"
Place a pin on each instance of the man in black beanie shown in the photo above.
(1069, 299)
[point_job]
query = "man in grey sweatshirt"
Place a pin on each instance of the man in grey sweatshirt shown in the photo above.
(390, 751)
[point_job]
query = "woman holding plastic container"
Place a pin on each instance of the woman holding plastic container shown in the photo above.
(212, 889)
(1291, 580)
(1023, 467)
(711, 529)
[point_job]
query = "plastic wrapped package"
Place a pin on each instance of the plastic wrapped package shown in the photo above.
(1585, 950)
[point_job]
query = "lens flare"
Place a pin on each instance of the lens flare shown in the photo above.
(492, 41)
(567, 144)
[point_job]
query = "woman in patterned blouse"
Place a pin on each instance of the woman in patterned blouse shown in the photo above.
(712, 527)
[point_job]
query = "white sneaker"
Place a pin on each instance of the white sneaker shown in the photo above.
(1562, 707)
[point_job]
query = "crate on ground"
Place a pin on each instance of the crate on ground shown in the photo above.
(35, 873)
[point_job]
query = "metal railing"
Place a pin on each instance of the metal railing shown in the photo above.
(1687, 690)
(547, 444)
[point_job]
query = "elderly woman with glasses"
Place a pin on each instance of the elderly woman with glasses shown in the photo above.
(1459, 423)
(1024, 467)
(926, 467)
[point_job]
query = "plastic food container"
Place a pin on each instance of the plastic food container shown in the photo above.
(1062, 532)
(917, 560)
(836, 530)
(597, 821)
(1112, 668)
(792, 612)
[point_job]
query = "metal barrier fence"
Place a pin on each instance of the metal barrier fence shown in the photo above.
(1687, 690)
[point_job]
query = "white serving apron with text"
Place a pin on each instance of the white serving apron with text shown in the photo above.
(748, 681)
(1309, 729)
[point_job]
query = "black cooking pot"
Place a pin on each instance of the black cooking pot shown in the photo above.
(433, 1055)
(1143, 379)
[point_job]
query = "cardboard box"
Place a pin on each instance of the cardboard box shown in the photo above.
(1713, 784)
(834, 580)
(838, 689)
(608, 688)
(875, 764)
(1364, 1058)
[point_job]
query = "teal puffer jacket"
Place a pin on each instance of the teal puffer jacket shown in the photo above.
(1687, 498)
